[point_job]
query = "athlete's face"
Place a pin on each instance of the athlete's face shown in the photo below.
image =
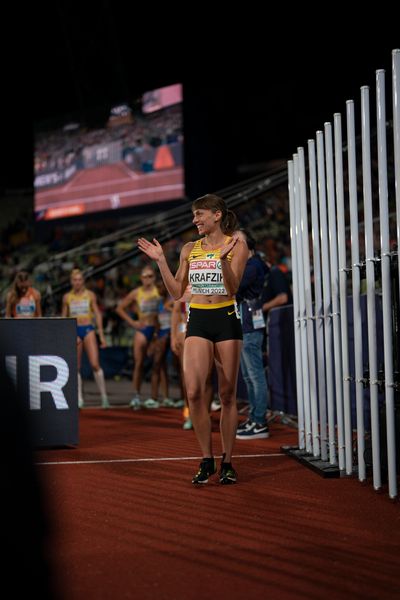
(206, 220)
(147, 278)
(77, 282)
(23, 286)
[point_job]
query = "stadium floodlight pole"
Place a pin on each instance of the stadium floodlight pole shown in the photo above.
(370, 273)
(348, 435)
(302, 306)
(326, 291)
(386, 283)
(296, 308)
(356, 287)
(309, 304)
(319, 309)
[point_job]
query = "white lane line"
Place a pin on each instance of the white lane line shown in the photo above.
(129, 460)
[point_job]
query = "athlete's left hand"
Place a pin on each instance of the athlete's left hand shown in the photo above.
(152, 249)
(227, 248)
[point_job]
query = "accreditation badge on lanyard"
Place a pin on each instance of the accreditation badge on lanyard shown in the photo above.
(258, 318)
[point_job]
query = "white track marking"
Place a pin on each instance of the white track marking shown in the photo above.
(130, 460)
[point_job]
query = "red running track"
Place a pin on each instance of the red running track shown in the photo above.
(129, 527)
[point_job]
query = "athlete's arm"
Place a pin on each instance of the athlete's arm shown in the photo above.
(175, 320)
(175, 285)
(9, 306)
(99, 319)
(123, 305)
(38, 309)
(64, 309)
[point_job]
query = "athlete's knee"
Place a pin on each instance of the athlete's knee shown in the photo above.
(194, 395)
(227, 397)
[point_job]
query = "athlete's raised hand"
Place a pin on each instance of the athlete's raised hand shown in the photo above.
(227, 248)
(152, 249)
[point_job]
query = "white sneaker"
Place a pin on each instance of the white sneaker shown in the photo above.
(135, 403)
(168, 402)
(151, 403)
(179, 403)
(216, 404)
(104, 402)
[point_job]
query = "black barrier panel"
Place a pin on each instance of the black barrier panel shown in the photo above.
(41, 358)
(282, 361)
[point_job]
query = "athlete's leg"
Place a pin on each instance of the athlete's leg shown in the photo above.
(155, 370)
(198, 356)
(92, 351)
(79, 347)
(228, 359)
(139, 352)
(163, 382)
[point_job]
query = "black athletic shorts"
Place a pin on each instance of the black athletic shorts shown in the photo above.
(215, 324)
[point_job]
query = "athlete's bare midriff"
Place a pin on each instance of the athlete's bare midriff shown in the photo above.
(215, 299)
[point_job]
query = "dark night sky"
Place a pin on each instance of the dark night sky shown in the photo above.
(249, 98)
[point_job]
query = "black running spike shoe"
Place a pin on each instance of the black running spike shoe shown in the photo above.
(207, 468)
(227, 474)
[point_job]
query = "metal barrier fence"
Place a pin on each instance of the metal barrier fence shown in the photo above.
(323, 194)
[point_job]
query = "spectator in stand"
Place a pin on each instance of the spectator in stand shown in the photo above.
(23, 301)
(81, 303)
(249, 298)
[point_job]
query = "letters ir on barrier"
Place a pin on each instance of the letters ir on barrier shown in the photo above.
(40, 358)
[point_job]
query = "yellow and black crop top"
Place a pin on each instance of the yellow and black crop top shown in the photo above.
(205, 270)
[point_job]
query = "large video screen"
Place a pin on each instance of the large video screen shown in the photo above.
(136, 158)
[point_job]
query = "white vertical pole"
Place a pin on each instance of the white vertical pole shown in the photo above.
(326, 295)
(296, 309)
(308, 301)
(386, 283)
(370, 271)
(335, 292)
(343, 291)
(396, 140)
(319, 309)
(302, 303)
(356, 285)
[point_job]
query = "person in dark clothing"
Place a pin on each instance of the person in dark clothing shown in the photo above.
(276, 290)
(249, 299)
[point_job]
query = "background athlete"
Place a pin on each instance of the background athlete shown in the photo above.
(81, 304)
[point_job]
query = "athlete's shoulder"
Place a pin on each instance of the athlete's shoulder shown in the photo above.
(187, 248)
(92, 295)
